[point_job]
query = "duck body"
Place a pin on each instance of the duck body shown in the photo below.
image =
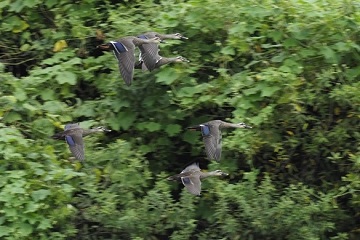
(124, 51)
(73, 135)
(149, 53)
(191, 177)
(211, 133)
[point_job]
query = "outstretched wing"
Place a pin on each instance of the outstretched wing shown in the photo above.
(150, 55)
(191, 168)
(149, 52)
(192, 184)
(212, 141)
(76, 145)
(124, 53)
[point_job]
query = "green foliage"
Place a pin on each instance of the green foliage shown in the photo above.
(288, 68)
(296, 212)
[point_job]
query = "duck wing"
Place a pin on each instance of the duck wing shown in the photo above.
(76, 144)
(149, 53)
(212, 140)
(124, 51)
(187, 172)
(192, 183)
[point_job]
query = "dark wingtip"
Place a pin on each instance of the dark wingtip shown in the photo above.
(217, 159)
(127, 83)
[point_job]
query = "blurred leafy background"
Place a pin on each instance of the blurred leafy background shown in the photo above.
(288, 68)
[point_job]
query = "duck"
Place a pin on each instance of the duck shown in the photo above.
(124, 51)
(211, 133)
(149, 53)
(73, 135)
(191, 177)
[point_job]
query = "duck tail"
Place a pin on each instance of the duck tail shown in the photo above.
(58, 136)
(173, 178)
(194, 128)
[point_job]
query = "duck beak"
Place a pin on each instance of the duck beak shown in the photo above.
(244, 125)
(105, 129)
(182, 37)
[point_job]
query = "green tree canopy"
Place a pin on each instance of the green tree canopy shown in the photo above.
(288, 68)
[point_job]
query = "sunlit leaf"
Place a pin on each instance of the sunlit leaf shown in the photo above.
(268, 91)
(167, 76)
(66, 77)
(126, 119)
(228, 50)
(40, 194)
(59, 45)
(24, 229)
(173, 129)
(5, 231)
(50, 3)
(25, 47)
(329, 54)
(12, 117)
(45, 224)
(153, 126)
(20, 27)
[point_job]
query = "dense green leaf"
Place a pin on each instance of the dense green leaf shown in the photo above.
(66, 77)
(167, 76)
(40, 194)
(173, 129)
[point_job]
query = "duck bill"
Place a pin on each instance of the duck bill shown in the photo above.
(184, 38)
(193, 128)
(224, 174)
(247, 126)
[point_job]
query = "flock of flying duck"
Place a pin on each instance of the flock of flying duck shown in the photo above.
(149, 59)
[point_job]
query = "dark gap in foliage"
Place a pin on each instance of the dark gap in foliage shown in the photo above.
(86, 90)
(20, 70)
